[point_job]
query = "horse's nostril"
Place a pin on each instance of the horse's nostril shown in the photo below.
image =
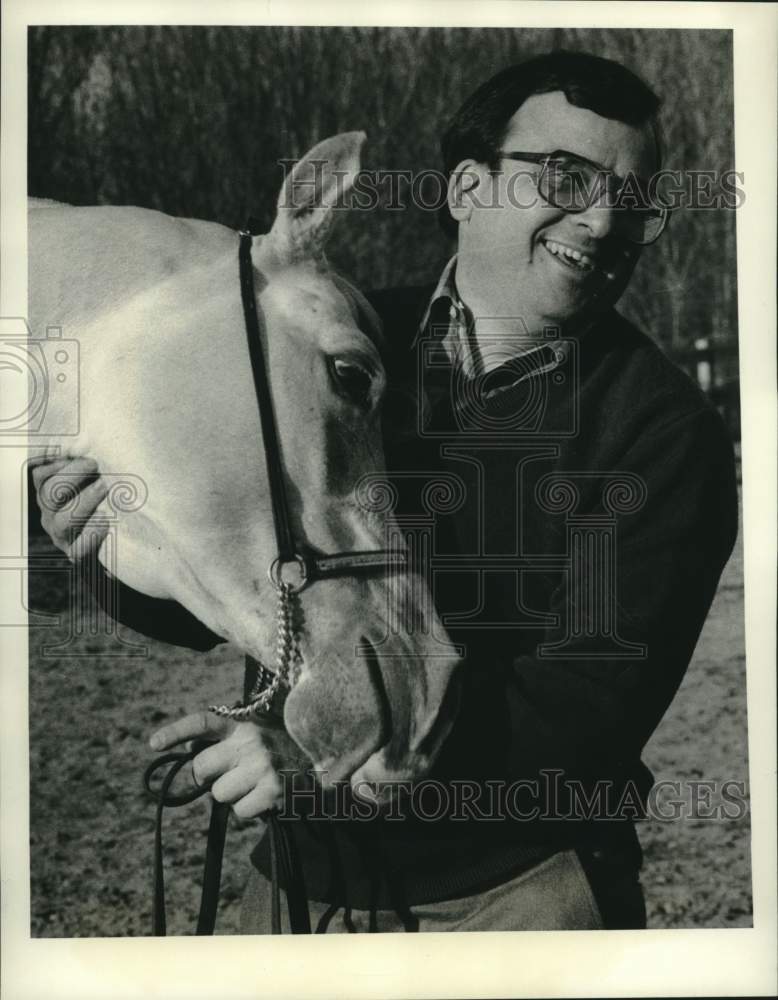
(374, 672)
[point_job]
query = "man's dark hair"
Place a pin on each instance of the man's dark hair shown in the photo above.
(600, 85)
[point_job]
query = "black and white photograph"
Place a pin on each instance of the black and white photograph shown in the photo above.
(383, 463)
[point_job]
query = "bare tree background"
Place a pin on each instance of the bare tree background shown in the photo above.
(193, 121)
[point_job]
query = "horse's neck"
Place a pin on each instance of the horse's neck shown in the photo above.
(83, 261)
(141, 295)
(91, 270)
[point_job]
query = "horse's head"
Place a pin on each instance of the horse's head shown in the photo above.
(376, 666)
(168, 394)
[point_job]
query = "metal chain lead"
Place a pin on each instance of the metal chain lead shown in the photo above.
(263, 692)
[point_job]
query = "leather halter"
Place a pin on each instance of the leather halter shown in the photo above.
(311, 566)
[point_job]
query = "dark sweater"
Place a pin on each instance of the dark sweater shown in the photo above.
(561, 688)
(558, 691)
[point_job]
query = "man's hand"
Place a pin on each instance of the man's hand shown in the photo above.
(239, 765)
(63, 519)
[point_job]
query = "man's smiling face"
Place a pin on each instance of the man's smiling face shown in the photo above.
(517, 253)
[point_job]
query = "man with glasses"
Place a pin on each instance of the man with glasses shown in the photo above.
(594, 509)
(596, 506)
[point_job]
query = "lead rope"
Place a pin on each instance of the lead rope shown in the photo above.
(283, 860)
(214, 850)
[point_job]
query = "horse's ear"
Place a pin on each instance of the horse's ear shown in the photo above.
(310, 193)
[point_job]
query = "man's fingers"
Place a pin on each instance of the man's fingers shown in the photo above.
(236, 753)
(230, 786)
(212, 762)
(198, 724)
(68, 498)
(259, 800)
(46, 470)
(88, 540)
(91, 496)
(85, 533)
(57, 484)
(240, 766)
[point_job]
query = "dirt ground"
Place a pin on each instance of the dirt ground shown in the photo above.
(93, 705)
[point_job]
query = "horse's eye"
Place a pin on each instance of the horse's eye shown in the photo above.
(352, 380)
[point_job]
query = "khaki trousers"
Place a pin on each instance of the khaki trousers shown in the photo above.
(554, 895)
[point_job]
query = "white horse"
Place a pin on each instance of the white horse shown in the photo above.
(166, 394)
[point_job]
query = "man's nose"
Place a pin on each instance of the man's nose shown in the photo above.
(598, 218)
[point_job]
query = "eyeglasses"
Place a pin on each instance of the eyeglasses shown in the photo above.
(573, 183)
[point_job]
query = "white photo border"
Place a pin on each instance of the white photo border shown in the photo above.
(722, 962)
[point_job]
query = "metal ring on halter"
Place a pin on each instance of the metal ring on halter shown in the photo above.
(275, 571)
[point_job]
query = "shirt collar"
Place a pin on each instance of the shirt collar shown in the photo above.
(445, 289)
(460, 328)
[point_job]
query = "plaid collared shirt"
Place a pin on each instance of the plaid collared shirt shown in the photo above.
(496, 352)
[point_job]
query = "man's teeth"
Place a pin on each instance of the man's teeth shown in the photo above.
(560, 250)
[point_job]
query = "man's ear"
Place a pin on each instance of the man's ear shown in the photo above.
(463, 183)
